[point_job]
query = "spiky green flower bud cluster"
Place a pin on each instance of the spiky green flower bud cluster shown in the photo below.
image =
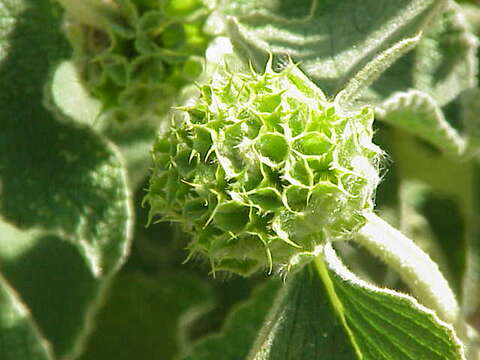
(136, 55)
(263, 168)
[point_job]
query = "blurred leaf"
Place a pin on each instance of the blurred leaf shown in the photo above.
(55, 175)
(419, 114)
(470, 109)
(442, 65)
(240, 329)
(134, 138)
(333, 41)
(302, 324)
(383, 323)
(446, 57)
(65, 179)
(447, 203)
(19, 337)
(69, 95)
(417, 200)
(54, 282)
(63, 187)
(416, 159)
(143, 313)
(472, 13)
(471, 283)
(135, 141)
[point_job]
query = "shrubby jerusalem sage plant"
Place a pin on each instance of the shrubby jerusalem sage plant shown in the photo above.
(269, 167)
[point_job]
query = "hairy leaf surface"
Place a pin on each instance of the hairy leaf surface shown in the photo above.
(386, 324)
(419, 114)
(302, 324)
(333, 41)
(62, 184)
(443, 65)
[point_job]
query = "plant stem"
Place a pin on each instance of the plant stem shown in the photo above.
(414, 266)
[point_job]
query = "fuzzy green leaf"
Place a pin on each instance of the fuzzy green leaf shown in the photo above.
(419, 114)
(302, 324)
(19, 337)
(438, 236)
(385, 324)
(55, 175)
(448, 206)
(442, 65)
(471, 284)
(153, 306)
(64, 195)
(54, 281)
(240, 330)
(333, 41)
(470, 110)
(134, 139)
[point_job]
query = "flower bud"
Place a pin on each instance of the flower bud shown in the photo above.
(136, 50)
(261, 168)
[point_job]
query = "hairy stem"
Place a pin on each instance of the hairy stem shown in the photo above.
(414, 266)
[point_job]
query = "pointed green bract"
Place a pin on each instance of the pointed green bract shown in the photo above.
(263, 167)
